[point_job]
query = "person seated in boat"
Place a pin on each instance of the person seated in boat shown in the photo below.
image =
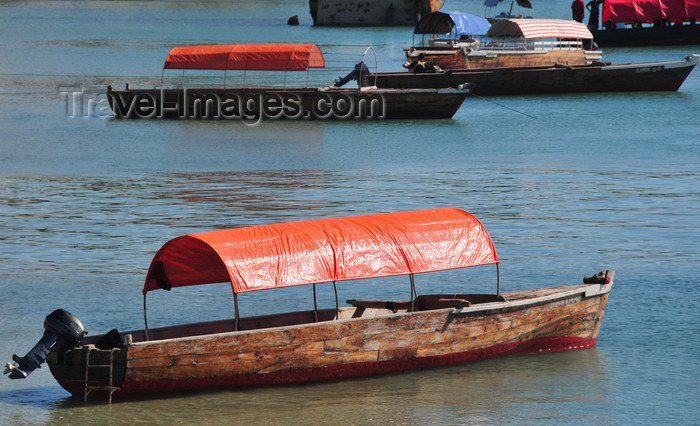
(420, 65)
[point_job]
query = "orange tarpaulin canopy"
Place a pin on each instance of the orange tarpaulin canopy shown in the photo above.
(261, 57)
(324, 250)
(539, 28)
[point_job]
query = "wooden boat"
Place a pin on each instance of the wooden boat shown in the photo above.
(452, 41)
(648, 23)
(370, 12)
(524, 56)
(364, 338)
(634, 77)
(251, 104)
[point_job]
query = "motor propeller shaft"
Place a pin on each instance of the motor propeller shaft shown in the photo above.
(62, 330)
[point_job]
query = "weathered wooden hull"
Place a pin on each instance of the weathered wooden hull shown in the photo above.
(254, 104)
(652, 76)
(458, 59)
(675, 35)
(364, 341)
(370, 12)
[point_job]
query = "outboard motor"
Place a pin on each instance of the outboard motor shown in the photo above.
(62, 330)
(359, 70)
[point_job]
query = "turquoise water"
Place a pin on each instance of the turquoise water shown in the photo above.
(567, 185)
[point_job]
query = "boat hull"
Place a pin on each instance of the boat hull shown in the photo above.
(675, 35)
(370, 12)
(653, 76)
(364, 341)
(254, 104)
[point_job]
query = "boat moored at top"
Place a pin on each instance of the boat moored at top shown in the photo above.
(451, 40)
(647, 23)
(659, 76)
(365, 13)
(522, 57)
(254, 102)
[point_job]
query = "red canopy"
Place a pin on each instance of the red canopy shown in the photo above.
(324, 250)
(262, 57)
(650, 10)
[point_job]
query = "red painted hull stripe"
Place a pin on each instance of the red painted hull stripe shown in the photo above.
(344, 371)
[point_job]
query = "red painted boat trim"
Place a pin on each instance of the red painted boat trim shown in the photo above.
(345, 371)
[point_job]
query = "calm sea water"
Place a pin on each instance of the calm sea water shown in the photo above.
(567, 185)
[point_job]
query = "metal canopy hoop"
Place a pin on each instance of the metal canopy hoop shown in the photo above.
(324, 250)
(245, 57)
(364, 60)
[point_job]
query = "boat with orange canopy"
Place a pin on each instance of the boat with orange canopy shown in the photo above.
(253, 103)
(364, 338)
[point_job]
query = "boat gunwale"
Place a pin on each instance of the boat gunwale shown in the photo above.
(364, 89)
(586, 290)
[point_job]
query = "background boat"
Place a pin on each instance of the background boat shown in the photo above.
(522, 56)
(665, 76)
(462, 41)
(649, 23)
(283, 101)
(370, 12)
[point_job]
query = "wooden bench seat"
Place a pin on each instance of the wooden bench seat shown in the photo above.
(393, 306)
(427, 302)
(474, 298)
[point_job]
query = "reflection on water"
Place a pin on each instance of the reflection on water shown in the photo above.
(83, 221)
(298, 193)
(87, 229)
(538, 388)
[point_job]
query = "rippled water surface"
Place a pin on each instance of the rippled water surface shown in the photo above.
(567, 185)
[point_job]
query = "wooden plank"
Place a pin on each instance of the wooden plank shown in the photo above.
(387, 338)
(405, 337)
(505, 59)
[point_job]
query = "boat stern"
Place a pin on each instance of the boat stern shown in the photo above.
(88, 371)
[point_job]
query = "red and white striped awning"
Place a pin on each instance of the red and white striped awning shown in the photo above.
(539, 28)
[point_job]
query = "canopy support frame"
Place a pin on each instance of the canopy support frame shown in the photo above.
(359, 77)
(235, 309)
(145, 318)
(498, 278)
(315, 304)
(337, 305)
(414, 294)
